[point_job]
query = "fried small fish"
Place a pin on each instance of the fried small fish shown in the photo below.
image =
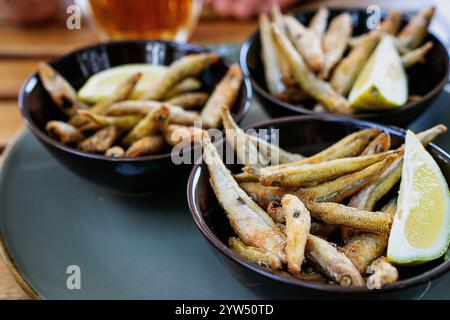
(136, 107)
(298, 176)
(415, 56)
(346, 72)
(336, 41)
(190, 100)
(270, 59)
(100, 141)
(145, 146)
(124, 123)
(319, 21)
(308, 81)
(332, 262)
(252, 224)
(115, 152)
(381, 274)
(298, 224)
(188, 66)
(154, 122)
(224, 94)
(339, 214)
(64, 132)
(255, 255)
(412, 35)
(246, 150)
(61, 91)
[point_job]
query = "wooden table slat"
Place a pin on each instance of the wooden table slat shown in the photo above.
(10, 120)
(14, 72)
(9, 289)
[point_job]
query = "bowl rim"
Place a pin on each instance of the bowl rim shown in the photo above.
(247, 91)
(249, 42)
(417, 280)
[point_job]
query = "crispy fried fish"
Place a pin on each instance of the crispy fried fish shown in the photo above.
(189, 100)
(349, 146)
(319, 21)
(338, 214)
(188, 66)
(254, 255)
(367, 197)
(274, 152)
(298, 223)
(350, 67)
(61, 92)
(278, 21)
(343, 187)
(64, 132)
(298, 176)
(154, 122)
(184, 86)
(332, 262)
(391, 24)
(121, 122)
(145, 146)
(224, 94)
(175, 134)
(307, 42)
(381, 143)
(136, 107)
(381, 273)
(364, 247)
(307, 80)
(246, 150)
(270, 59)
(100, 141)
(246, 177)
(263, 195)
(115, 152)
(412, 35)
(252, 224)
(319, 228)
(335, 41)
(122, 92)
(415, 56)
(309, 277)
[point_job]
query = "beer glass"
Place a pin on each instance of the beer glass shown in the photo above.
(145, 19)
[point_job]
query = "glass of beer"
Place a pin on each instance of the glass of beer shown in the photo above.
(145, 19)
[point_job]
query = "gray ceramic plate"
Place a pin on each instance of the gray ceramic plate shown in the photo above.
(127, 247)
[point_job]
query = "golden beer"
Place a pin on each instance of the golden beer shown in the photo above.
(145, 19)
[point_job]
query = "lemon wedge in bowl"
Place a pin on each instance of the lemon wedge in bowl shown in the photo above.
(420, 230)
(382, 83)
(104, 83)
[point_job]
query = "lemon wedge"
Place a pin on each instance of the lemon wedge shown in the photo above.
(420, 230)
(104, 83)
(382, 83)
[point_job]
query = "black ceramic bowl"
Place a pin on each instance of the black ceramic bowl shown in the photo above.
(425, 79)
(306, 135)
(140, 174)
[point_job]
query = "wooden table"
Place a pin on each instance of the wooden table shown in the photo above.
(22, 48)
